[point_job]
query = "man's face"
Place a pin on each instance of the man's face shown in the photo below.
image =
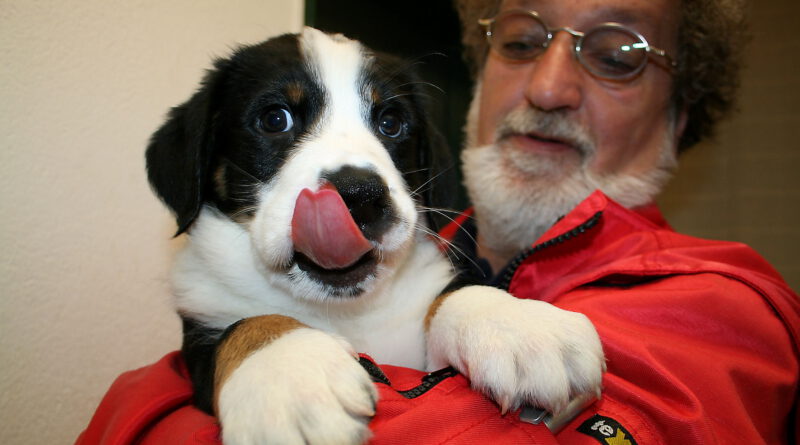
(555, 129)
(626, 121)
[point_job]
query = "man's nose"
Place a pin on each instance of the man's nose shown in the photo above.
(556, 76)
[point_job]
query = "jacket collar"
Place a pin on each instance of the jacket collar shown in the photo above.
(591, 215)
(598, 202)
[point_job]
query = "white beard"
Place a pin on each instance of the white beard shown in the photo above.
(517, 196)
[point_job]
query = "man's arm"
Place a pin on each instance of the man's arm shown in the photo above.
(691, 359)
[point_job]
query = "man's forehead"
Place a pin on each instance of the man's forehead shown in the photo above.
(623, 11)
(656, 19)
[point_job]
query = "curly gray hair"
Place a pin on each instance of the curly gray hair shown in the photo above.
(712, 34)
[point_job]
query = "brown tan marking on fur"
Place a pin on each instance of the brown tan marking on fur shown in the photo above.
(249, 336)
(294, 91)
(433, 308)
(376, 96)
(219, 182)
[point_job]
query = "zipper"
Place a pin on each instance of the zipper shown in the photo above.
(512, 267)
(428, 382)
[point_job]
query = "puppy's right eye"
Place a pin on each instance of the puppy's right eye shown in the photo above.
(390, 124)
(276, 120)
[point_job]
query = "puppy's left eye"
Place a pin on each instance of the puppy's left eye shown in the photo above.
(390, 124)
(276, 120)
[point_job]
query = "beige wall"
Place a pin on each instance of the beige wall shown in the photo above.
(745, 186)
(85, 244)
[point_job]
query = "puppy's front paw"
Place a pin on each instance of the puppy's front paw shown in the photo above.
(516, 351)
(305, 387)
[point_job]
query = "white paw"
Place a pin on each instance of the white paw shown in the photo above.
(306, 387)
(516, 351)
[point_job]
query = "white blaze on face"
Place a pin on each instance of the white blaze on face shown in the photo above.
(339, 63)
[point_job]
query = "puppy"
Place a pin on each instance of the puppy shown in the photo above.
(300, 170)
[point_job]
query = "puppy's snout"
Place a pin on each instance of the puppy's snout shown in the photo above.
(367, 197)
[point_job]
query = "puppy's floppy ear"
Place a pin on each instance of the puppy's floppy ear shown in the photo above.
(180, 152)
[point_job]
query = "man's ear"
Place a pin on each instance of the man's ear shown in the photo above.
(179, 154)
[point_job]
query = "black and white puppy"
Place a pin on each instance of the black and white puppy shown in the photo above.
(297, 171)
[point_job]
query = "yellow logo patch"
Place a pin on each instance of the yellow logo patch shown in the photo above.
(619, 439)
(606, 431)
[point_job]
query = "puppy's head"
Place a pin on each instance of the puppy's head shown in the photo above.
(316, 146)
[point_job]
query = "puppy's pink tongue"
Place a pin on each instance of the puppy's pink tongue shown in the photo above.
(324, 231)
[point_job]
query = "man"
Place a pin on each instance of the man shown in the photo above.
(700, 337)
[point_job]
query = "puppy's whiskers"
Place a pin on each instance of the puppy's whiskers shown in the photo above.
(390, 76)
(241, 170)
(444, 214)
(244, 211)
(421, 82)
(453, 251)
(420, 189)
(410, 172)
(397, 96)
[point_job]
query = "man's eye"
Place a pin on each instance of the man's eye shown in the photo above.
(613, 62)
(521, 48)
(276, 120)
(612, 52)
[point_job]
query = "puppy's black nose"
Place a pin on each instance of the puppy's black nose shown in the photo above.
(367, 197)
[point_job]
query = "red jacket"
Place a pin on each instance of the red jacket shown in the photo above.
(701, 339)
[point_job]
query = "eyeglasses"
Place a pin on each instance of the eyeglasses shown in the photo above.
(609, 50)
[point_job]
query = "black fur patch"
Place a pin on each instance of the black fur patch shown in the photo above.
(217, 135)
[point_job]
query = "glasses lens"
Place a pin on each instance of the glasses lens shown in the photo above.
(518, 36)
(613, 52)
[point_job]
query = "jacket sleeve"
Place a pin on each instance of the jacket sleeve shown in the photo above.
(151, 405)
(692, 359)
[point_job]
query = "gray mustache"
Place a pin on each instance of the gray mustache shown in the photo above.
(546, 124)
